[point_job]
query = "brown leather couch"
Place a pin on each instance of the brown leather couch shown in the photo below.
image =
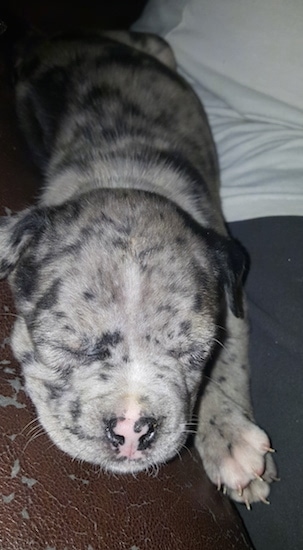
(48, 501)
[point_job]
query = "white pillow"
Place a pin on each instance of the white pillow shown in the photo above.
(244, 60)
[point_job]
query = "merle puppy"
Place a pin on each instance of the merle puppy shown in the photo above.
(126, 282)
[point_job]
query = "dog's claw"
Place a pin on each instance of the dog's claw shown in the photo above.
(258, 477)
(248, 506)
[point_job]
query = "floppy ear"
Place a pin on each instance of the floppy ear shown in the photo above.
(231, 261)
(16, 233)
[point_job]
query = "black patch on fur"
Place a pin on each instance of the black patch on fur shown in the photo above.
(30, 224)
(120, 243)
(26, 278)
(88, 295)
(76, 430)
(75, 409)
(124, 228)
(69, 211)
(50, 297)
(198, 302)
(54, 391)
(106, 365)
(27, 358)
(65, 372)
(185, 327)
(73, 248)
(68, 328)
(55, 254)
(102, 348)
(180, 240)
(5, 267)
(59, 314)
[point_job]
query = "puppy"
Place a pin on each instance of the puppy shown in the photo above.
(126, 282)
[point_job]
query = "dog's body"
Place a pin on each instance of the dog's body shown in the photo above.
(124, 273)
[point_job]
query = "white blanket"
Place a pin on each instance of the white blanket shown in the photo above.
(244, 59)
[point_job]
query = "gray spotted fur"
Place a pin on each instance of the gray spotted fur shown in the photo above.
(124, 277)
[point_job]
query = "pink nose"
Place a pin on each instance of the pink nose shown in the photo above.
(130, 437)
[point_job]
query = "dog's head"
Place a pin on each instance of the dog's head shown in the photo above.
(118, 300)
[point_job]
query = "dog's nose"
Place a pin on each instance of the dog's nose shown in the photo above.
(114, 438)
(149, 424)
(131, 436)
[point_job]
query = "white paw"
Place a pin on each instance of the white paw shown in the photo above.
(257, 489)
(237, 457)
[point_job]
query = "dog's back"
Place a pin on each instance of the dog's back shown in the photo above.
(102, 113)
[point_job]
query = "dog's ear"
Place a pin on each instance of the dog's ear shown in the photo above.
(231, 264)
(16, 232)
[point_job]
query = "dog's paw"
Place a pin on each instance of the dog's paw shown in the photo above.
(257, 489)
(238, 458)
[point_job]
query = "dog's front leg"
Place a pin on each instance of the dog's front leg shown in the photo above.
(236, 453)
